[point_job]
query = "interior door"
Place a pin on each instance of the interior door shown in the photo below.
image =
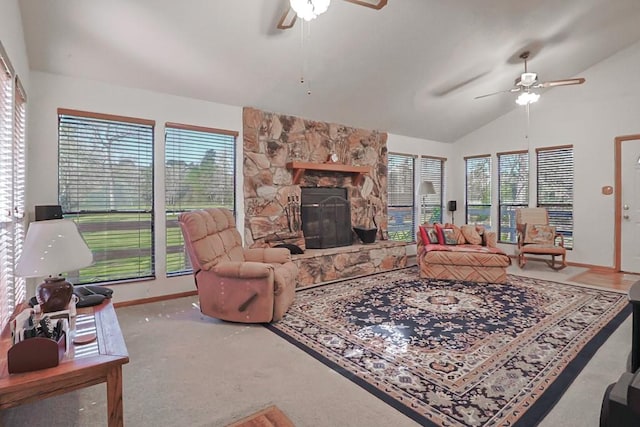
(630, 226)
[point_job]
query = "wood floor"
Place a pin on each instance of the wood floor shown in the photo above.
(606, 279)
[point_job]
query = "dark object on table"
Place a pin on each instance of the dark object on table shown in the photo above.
(54, 294)
(85, 290)
(89, 295)
(366, 235)
(294, 249)
(35, 353)
(621, 402)
(40, 345)
(47, 212)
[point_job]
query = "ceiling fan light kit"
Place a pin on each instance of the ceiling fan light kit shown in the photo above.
(309, 9)
(527, 98)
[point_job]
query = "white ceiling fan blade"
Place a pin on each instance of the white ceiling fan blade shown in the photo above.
(287, 20)
(566, 82)
(512, 90)
(377, 5)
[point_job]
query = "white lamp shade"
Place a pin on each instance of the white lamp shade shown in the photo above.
(426, 187)
(53, 247)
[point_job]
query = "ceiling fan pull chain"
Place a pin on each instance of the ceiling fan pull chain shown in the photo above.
(526, 135)
(305, 66)
(302, 53)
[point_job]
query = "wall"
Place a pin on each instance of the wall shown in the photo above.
(589, 116)
(49, 92)
(12, 38)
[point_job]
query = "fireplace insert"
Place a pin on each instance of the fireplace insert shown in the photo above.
(326, 217)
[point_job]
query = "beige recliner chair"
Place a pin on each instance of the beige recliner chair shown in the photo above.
(236, 284)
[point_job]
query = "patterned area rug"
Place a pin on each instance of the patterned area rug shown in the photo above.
(455, 353)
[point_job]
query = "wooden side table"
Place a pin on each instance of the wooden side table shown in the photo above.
(85, 365)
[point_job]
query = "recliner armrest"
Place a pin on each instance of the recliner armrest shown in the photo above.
(268, 255)
(243, 269)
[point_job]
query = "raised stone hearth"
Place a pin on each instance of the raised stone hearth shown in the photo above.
(323, 265)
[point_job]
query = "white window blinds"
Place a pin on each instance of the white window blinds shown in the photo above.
(478, 190)
(555, 188)
(513, 184)
(199, 173)
(12, 183)
(400, 170)
(431, 169)
(105, 166)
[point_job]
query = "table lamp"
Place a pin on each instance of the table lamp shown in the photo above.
(51, 248)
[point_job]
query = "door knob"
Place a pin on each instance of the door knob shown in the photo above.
(625, 216)
(625, 207)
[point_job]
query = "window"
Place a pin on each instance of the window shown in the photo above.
(199, 173)
(105, 184)
(555, 188)
(431, 169)
(401, 196)
(478, 190)
(12, 186)
(513, 184)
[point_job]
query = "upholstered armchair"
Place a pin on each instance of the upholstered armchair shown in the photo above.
(234, 283)
(536, 237)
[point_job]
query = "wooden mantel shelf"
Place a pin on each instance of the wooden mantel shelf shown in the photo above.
(299, 168)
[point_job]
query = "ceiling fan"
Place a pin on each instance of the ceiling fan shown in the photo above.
(528, 81)
(309, 9)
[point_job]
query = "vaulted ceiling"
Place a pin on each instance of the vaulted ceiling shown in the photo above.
(412, 68)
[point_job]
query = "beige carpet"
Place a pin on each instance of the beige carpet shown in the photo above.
(268, 417)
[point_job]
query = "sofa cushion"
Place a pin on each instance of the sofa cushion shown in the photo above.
(428, 234)
(439, 232)
(423, 235)
(471, 235)
(458, 233)
(450, 237)
(539, 234)
(472, 255)
(490, 239)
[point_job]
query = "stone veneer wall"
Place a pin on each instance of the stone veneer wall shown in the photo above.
(272, 140)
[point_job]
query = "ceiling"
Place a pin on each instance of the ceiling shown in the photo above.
(412, 68)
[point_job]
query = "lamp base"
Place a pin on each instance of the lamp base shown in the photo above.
(54, 294)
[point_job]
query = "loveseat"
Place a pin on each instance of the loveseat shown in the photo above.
(466, 253)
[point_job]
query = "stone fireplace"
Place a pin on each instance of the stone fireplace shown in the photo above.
(285, 156)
